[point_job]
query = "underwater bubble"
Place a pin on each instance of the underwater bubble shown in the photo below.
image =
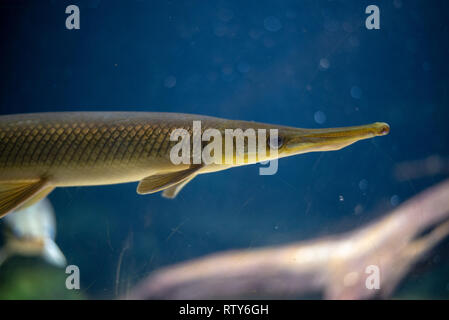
(341, 198)
(358, 209)
(363, 184)
(356, 92)
(272, 24)
(170, 82)
(320, 117)
(243, 67)
(394, 200)
(324, 63)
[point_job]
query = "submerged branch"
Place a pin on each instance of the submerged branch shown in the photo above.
(335, 266)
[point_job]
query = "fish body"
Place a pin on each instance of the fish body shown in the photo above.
(86, 148)
(31, 232)
(41, 151)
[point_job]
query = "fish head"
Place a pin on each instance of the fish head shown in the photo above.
(262, 142)
(293, 141)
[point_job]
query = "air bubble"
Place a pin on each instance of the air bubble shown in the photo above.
(272, 24)
(170, 82)
(363, 184)
(356, 92)
(320, 117)
(324, 64)
(394, 200)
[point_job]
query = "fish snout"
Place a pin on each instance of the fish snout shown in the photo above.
(382, 128)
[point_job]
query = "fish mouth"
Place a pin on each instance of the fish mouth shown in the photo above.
(309, 140)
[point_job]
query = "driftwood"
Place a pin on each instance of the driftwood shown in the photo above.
(334, 266)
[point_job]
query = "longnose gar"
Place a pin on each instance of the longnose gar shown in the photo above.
(41, 151)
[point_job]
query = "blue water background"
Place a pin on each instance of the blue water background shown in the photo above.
(307, 64)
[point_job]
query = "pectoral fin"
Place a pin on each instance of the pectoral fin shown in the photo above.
(173, 191)
(16, 194)
(161, 182)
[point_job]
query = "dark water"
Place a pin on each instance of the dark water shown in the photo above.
(299, 63)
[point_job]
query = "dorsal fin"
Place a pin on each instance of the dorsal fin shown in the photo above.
(159, 182)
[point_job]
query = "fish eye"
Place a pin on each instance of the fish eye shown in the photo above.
(276, 144)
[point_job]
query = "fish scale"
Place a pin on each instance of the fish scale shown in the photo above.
(80, 145)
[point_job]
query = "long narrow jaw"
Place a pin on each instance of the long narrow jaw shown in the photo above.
(309, 140)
